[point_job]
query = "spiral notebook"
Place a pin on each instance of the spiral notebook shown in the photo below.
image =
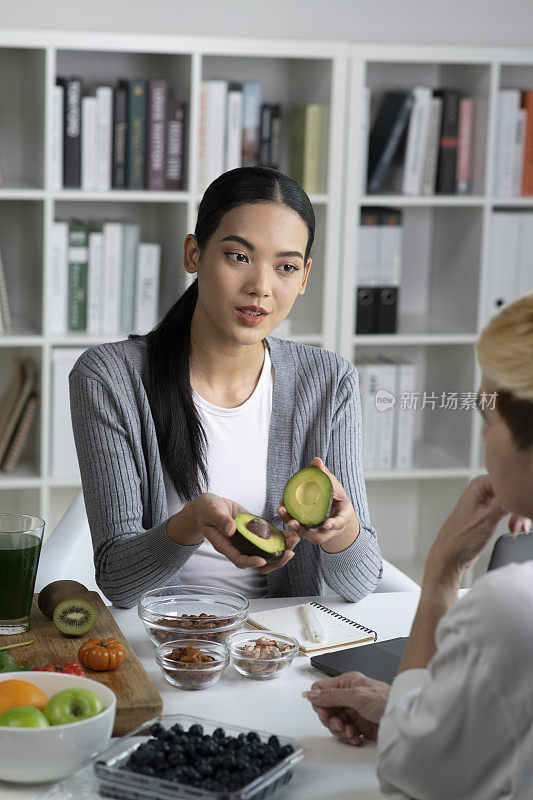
(340, 631)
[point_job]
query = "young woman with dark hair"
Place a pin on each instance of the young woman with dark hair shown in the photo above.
(208, 415)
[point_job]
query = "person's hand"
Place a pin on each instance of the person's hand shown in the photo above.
(341, 524)
(214, 517)
(467, 530)
(350, 706)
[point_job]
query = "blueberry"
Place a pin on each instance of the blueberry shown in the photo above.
(219, 733)
(157, 729)
(274, 742)
(253, 737)
(176, 758)
(285, 751)
(196, 730)
(177, 728)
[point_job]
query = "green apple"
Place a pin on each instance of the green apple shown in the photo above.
(24, 717)
(72, 705)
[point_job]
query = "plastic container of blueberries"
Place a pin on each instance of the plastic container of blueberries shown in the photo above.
(121, 784)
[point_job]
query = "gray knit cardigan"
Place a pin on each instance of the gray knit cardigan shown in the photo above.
(315, 412)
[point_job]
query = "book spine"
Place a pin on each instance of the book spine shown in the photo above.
(233, 150)
(63, 458)
(432, 153)
(104, 137)
(94, 281)
(72, 133)
(527, 174)
(120, 130)
(265, 145)
(385, 400)
(156, 144)
(251, 121)
(463, 177)
(202, 137)
(405, 416)
(136, 161)
(367, 271)
(20, 436)
(129, 269)
(147, 287)
(524, 276)
(5, 314)
(77, 284)
(216, 129)
(518, 159)
(446, 167)
(312, 161)
(275, 137)
(59, 271)
(175, 146)
(394, 136)
(88, 144)
(56, 145)
(505, 248)
(508, 103)
(364, 133)
(112, 269)
(368, 390)
(297, 142)
(417, 139)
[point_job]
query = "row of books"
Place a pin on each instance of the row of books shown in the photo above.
(379, 266)
(510, 273)
(18, 406)
(104, 280)
(236, 128)
(130, 136)
(5, 312)
(513, 172)
(389, 424)
(420, 143)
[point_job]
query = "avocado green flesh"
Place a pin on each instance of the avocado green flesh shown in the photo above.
(308, 497)
(250, 544)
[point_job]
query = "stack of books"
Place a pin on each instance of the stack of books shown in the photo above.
(420, 142)
(386, 387)
(17, 412)
(513, 170)
(130, 136)
(379, 267)
(103, 281)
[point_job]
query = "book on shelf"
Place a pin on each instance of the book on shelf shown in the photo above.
(367, 270)
(147, 287)
(130, 246)
(211, 131)
(527, 172)
(505, 152)
(276, 136)
(104, 138)
(251, 122)
(71, 131)
(509, 271)
(306, 156)
(56, 138)
(136, 136)
(5, 311)
(233, 143)
(465, 140)
(77, 276)
(518, 155)
(364, 129)
(449, 129)
(120, 133)
(417, 140)
(386, 134)
(20, 436)
(265, 143)
(88, 144)
(63, 457)
(156, 134)
(95, 279)
(59, 279)
(175, 147)
(431, 160)
(13, 403)
(112, 273)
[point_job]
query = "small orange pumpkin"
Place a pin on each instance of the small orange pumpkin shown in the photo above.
(101, 654)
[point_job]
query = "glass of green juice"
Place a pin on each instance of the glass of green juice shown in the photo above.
(21, 536)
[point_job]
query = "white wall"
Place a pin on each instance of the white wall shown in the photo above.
(491, 22)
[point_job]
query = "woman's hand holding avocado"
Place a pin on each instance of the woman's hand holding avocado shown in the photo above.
(212, 517)
(341, 527)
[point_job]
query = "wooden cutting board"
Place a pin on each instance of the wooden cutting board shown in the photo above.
(137, 698)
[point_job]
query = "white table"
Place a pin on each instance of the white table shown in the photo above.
(330, 769)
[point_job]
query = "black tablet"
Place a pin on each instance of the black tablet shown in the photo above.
(380, 660)
(508, 550)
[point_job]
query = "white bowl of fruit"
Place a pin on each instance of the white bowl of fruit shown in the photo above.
(51, 723)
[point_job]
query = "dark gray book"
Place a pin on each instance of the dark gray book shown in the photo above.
(386, 135)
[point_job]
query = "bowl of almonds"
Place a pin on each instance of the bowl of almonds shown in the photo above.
(192, 663)
(261, 657)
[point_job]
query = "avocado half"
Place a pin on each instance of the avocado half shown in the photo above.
(308, 497)
(257, 537)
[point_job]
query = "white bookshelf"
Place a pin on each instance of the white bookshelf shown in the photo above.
(446, 238)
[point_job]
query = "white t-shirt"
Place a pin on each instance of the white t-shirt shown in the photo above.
(237, 454)
(462, 729)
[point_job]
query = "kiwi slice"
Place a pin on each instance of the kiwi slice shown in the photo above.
(75, 616)
(55, 592)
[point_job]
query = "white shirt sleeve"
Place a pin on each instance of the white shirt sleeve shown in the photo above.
(451, 731)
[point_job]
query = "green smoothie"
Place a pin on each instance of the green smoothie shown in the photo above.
(19, 557)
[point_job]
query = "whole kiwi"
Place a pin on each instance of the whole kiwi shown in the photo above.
(55, 592)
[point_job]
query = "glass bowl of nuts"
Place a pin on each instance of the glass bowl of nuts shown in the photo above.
(192, 663)
(260, 656)
(192, 612)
